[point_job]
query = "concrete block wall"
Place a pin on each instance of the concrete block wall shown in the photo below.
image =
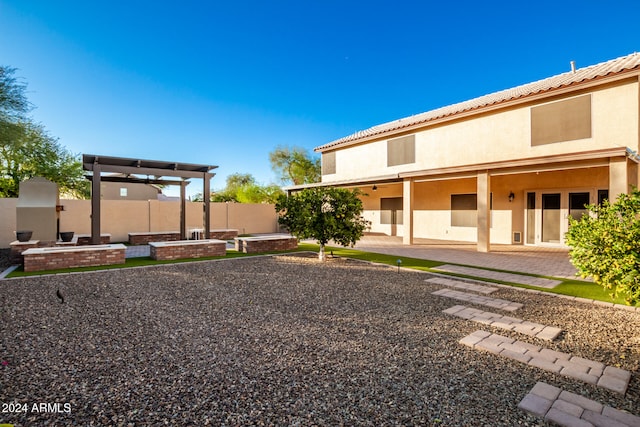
(120, 217)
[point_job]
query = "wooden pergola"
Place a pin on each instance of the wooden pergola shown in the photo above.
(155, 171)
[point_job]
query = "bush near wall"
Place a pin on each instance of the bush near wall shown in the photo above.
(605, 245)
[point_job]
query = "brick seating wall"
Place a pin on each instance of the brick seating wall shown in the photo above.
(182, 249)
(17, 248)
(146, 238)
(265, 244)
(85, 239)
(39, 259)
(223, 234)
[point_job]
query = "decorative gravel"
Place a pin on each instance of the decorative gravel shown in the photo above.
(279, 341)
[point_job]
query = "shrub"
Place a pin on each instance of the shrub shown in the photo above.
(605, 245)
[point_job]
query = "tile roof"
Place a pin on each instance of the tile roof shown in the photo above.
(612, 67)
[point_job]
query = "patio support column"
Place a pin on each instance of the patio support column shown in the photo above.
(183, 213)
(484, 211)
(206, 196)
(618, 177)
(407, 211)
(632, 168)
(95, 204)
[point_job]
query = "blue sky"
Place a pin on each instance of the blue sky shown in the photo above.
(224, 83)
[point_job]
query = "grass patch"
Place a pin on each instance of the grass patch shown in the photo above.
(415, 263)
(132, 262)
(571, 287)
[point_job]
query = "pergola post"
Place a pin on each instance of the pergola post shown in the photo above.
(206, 196)
(95, 204)
(183, 207)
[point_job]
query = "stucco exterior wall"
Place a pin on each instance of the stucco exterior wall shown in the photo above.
(497, 136)
(7, 221)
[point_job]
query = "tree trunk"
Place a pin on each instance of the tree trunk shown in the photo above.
(321, 255)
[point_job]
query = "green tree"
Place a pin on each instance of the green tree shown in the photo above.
(234, 182)
(605, 244)
(26, 148)
(254, 193)
(243, 188)
(323, 214)
(295, 166)
(14, 105)
(13, 99)
(31, 152)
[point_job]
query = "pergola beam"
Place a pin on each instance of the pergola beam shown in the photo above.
(133, 170)
(136, 180)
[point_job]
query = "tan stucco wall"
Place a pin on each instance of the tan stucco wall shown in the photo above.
(7, 221)
(498, 136)
(119, 217)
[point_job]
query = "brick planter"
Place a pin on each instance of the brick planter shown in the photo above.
(17, 248)
(265, 244)
(38, 259)
(225, 234)
(147, 237)
(85, 239)
(182, 249)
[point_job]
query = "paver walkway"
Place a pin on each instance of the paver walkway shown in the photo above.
(497, 275)
(537, 330)
(595, 373)
(479, 299)
(569, 409)
(452, 283)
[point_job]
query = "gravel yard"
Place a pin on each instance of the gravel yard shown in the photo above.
(280, 341)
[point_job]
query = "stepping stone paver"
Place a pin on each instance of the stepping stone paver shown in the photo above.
(596, 373)
(452, 283)
(539, 282)
(568, 409)
(479, 299)
(537, 330)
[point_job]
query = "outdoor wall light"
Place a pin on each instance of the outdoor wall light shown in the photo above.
(511, 197)
(374, 188)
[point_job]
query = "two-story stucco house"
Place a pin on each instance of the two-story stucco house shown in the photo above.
(504, 168)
